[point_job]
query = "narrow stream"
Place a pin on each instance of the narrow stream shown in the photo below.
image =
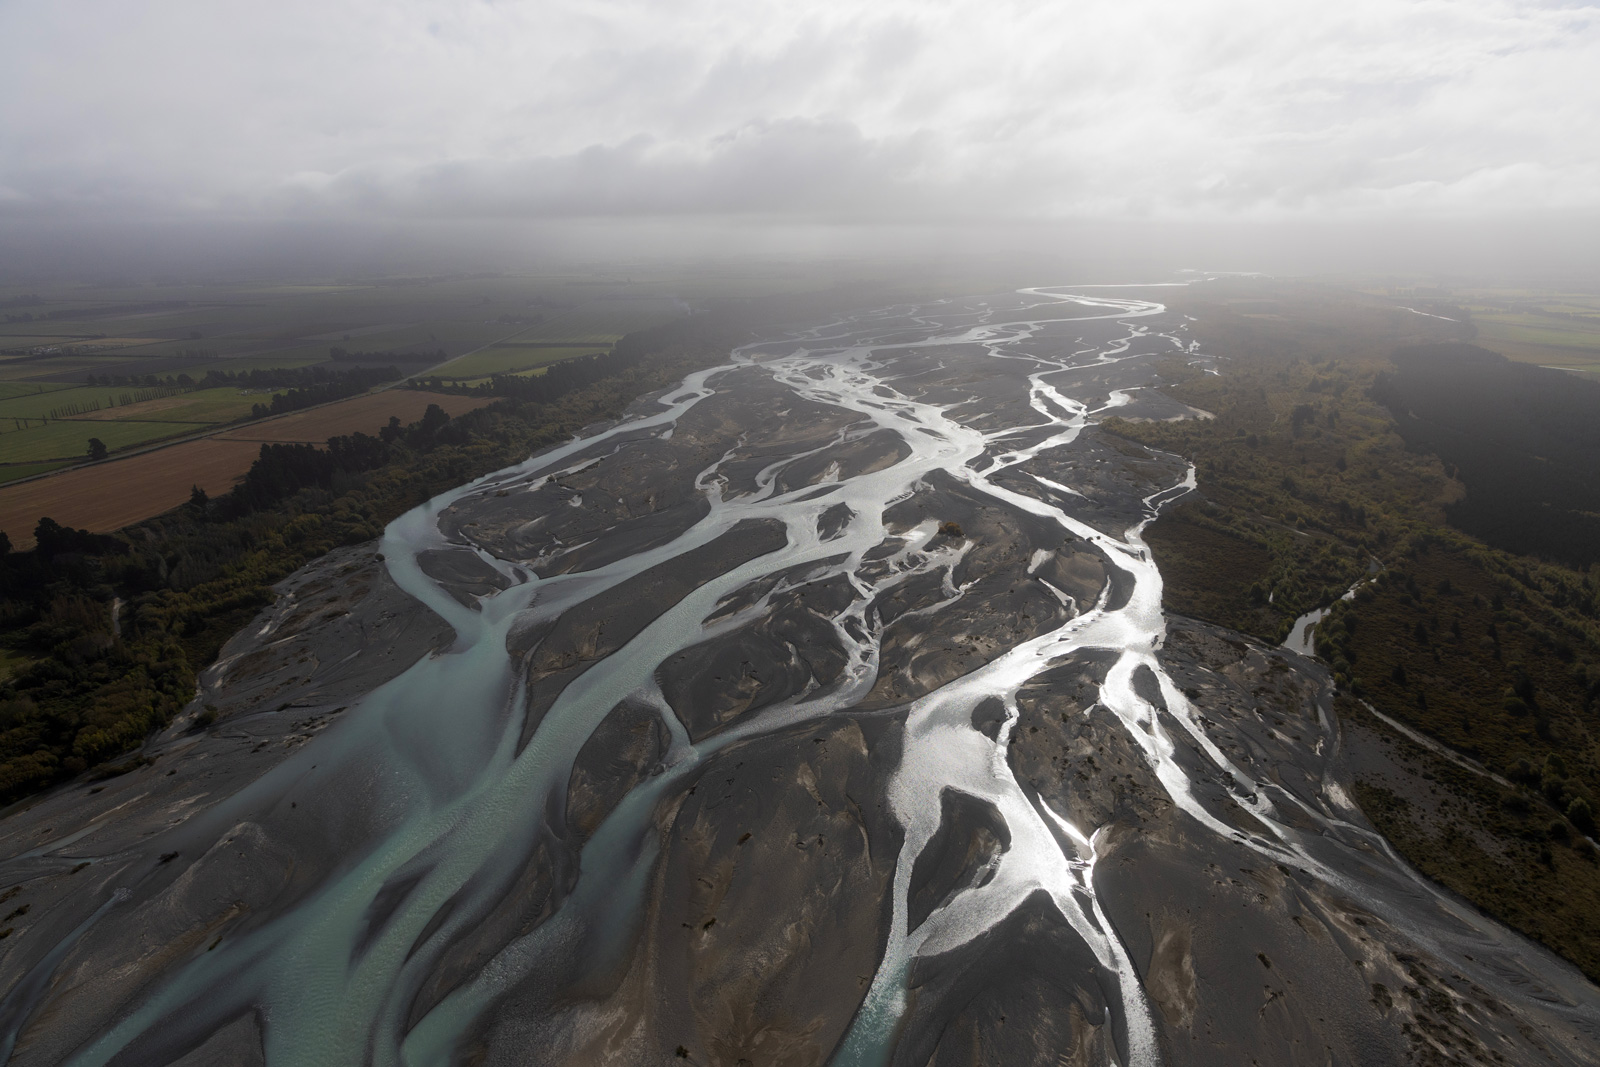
(459, 807)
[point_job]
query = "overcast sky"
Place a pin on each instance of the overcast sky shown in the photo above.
(1199, 111)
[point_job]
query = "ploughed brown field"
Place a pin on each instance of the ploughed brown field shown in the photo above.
(364, 413)
(109, 496)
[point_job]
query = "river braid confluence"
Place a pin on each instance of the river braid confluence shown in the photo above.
(823, 709)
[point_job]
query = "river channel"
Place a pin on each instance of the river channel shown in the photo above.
(904, 522)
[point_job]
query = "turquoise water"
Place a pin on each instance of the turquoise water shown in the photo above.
(456, 808)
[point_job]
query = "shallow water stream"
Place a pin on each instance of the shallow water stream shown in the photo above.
(457, 784)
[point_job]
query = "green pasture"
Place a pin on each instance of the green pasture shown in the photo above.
(58, 368)
(375, 338)
(203, 405)
(284, 359)
(1552, 299)
(39, 405)
(604, 319)
(1585, 321)
(13, 389)
(266, 325)
(464, 336)
(174, 323)
(69, 440)
(164, 356)
(28, 434)
(533, 373)
(28, 470)
(1533, 330)
(27, 335)
(1584, 363)
(506, 360)
(1572, 306)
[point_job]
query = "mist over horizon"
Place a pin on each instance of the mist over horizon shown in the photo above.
(185, 138)
(914, 534)
(192, 250)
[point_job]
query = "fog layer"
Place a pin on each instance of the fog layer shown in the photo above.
(782, 118)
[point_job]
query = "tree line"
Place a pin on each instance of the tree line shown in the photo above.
(565, 375)
(1309, 486)
(90, 686)
(255, 378)
(349, 383)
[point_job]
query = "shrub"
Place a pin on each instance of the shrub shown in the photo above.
(1581, 814)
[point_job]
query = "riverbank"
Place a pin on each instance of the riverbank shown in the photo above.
(825, 709)
(79, 694)
(1305, 480)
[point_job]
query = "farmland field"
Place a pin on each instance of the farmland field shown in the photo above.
(201, 405)
(1550, 339)
(29, 432)
(1550, 328)
(69, 440)
(472, 382)
(458, 337)
(59, 398)
(604, 319)
(506, 359)
(16, 344)
(12, 472)
(282, 360)
(56, 368)
(15, 389)
(455, 313)
(1529, 329)
(367, 414)
(134, 331)
(108, 496)
(404, 337)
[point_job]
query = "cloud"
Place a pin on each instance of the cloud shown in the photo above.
(819, 111)
(800, 168)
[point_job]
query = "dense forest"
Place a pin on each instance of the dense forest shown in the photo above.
(104, 634)
(1524, 440)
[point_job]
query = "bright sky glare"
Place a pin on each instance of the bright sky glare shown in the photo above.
(810, 110)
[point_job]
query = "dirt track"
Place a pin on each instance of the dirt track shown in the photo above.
(109, 496)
